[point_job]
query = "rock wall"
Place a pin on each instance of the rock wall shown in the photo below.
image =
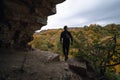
(20, 18)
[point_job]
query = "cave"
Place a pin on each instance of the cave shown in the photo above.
(20, 18)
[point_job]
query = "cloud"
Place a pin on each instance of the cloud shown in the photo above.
(85, 12)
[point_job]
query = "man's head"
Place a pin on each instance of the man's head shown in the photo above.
(65, 28)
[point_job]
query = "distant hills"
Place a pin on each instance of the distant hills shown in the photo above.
(85, 39)
(49, 39)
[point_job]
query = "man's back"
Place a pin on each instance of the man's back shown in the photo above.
(66, 36)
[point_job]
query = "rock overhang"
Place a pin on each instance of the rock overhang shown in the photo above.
(20, 18)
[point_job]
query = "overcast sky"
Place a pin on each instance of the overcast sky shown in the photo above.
(77, 13)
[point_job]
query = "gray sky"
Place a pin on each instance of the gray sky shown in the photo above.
(77, 13)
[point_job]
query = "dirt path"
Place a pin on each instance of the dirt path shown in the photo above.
(37, 66)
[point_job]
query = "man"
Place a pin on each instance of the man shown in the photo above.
(65, 39)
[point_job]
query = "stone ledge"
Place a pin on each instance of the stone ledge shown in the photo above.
(78, 67)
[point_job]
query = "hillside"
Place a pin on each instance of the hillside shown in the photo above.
(98, 44)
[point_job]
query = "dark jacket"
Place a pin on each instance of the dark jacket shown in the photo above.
(66, 37)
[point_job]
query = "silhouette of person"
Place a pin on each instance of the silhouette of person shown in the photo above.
(65, 39)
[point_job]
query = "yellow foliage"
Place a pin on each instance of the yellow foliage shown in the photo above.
(117, 68)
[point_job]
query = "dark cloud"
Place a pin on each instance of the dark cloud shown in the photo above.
(105, 13)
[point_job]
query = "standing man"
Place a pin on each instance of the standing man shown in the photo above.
(65, 39)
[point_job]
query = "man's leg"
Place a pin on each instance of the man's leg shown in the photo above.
(67, 51)
(64, 51)
(66, 54)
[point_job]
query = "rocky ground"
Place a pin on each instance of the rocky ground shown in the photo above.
(39, 65)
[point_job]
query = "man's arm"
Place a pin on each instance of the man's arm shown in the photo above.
(61, 38)
(71, 38)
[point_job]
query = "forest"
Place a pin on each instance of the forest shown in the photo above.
(99, 45)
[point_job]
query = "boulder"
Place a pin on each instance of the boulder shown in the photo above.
(53, 57)
(50, 57)
(78, 67)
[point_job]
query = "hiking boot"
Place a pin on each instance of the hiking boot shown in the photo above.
(66, 58)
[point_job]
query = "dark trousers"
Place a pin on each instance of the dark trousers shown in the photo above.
(66, 49)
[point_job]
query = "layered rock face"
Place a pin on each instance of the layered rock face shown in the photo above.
(20, 18)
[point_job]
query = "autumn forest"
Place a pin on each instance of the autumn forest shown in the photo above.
(99, 45)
